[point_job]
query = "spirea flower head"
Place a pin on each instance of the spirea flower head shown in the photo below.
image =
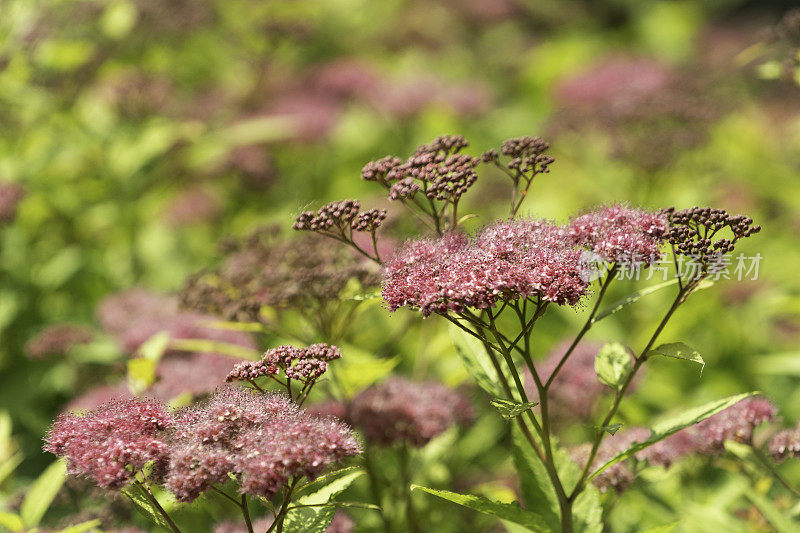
(506, 261)
(401, 410)
(620, 234)
(693, 232)
(737, 423)
(304, 364)
(263, 439)
(112, 442)
(57, 339)
(785, 444)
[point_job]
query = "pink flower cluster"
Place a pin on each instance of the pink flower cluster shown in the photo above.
(506, 261)
(620, 234)
(57, 340)
(264, 440)
(737, 423)
(785, 444)
(113, 442)
(400, 410)
(304, 364)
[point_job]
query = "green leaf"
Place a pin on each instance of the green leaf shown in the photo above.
(509, 409)
(360, 369)
(611, 429)
(613, 364)
(511, 512)
(631, 298)
(679, 350)
(145, 507)
(666, 528)
(153, 348)
(82, 527)
(317, 519)
(539, 494)
(364, 296)
(141, 374)
(477, 361)
(42, 493)
(9, 465)
(665, 429)
(11, 521)
(325, 479)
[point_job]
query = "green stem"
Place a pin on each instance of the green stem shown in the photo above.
(246, 514)
(774, 471)
(376, 489)
(149, 495)
(405, 472)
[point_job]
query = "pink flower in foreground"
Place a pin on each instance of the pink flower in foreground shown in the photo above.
(110, 443)
(263, 439)
(506, 261)
(621, 234)
(400, 410)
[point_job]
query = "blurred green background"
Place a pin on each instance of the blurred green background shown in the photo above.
(145, 131)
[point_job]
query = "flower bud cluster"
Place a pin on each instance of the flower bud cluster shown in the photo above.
(303, 364)
(692, 232)
(785, 444)
(736, 423)
(113, 442)
(435, 169)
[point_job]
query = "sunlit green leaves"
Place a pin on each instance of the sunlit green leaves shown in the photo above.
(511, 512)
(613, 364)
(313, 514)
(41, 493)
(144, 505)
(679, 350)
(509, 409)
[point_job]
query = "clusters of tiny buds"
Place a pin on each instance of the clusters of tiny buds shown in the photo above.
(436, 168)
(112, 442)
(785, 445)
(304, 364)
(369, 220)
(334, 215)
(691, 231)
(250, 370)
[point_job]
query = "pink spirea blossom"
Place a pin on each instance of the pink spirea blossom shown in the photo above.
(110, 443)
(263, 439)
(400, 410)
(506, 261)
(621, 234)
(785, 444)
(57, 340)
(737, 423)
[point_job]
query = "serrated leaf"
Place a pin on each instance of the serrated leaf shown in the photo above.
(679, 350)
(631, 298)
(613, 364)
(611, 429)
(41, 494)
(82, 527)
(317, 519)
(511, 512)
(665, 429)
(509, 409)
(144, 505)
(324, 479)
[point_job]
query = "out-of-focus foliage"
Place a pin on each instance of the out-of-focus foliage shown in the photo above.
(143, 132)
